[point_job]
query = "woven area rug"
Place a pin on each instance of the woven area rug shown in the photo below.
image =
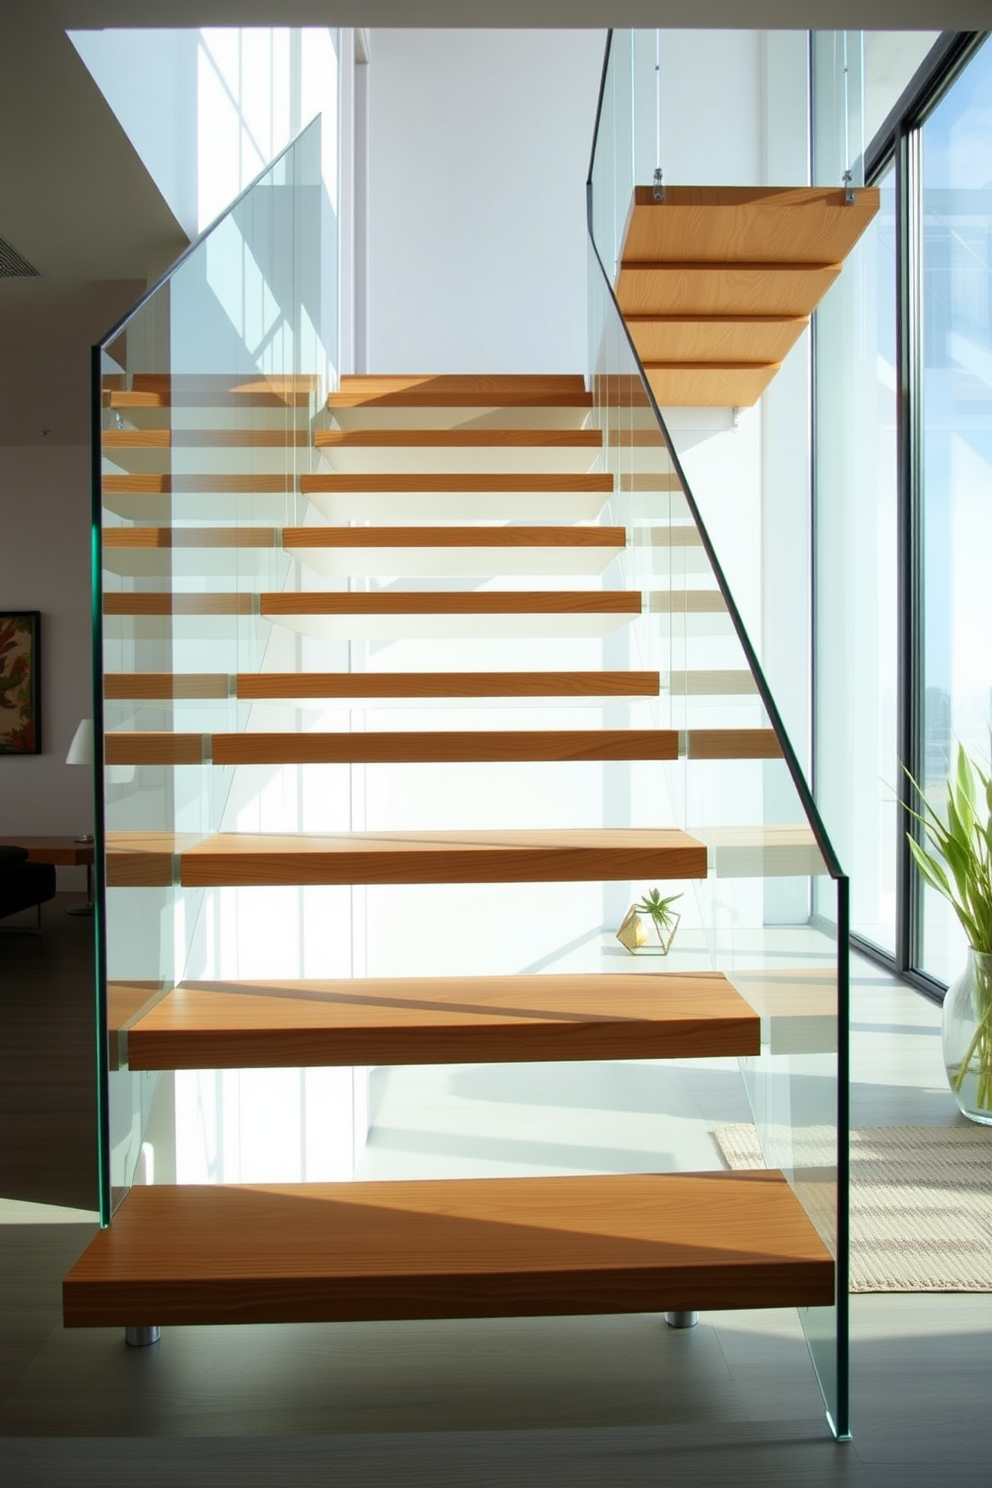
(921, 1203)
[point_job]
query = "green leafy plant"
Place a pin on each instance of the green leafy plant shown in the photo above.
(959, 867)
(658, 908)
(957, 862)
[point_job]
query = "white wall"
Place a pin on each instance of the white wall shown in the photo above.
(206, 110)
(479, 152)
(44, 565)
(748, 126)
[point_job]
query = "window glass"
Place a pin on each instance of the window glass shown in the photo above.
(856, 550)
(957, 453)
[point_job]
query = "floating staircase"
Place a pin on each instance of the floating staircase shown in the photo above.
(457, 480)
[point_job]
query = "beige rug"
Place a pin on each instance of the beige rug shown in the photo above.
(921, 1203)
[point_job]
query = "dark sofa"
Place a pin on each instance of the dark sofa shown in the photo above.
(24, 885)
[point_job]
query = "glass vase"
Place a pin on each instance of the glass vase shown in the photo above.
(967, 1035)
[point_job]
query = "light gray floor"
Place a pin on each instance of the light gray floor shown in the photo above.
(571, 1401)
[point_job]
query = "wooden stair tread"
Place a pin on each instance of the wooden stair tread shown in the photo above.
(448, 746)
(432, 1020)
(145, 859)
(360, 391)
(279, 685)
(762, 850)
(366, 537)
(747, 224)
(455, 482)
(458, 438)
(408, 602)
(470, 1248)
(714, 683)
(154, 483)
(709, 384)
(209, 389)
(236, 438)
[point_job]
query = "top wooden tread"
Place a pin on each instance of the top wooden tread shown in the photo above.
(746, 224)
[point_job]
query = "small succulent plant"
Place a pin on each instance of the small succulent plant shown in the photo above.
(658, 908)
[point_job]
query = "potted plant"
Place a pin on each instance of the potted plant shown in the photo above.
(959, 868)
(649, 927)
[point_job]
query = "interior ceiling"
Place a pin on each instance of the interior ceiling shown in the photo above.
(78, 205)
(877, 15)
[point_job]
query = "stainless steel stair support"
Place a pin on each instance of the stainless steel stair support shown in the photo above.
(681, 1319)
(141, 1337)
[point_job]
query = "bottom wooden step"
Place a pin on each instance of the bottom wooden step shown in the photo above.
(509, 1247)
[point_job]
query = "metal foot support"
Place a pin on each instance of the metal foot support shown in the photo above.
(141, 1337)
(681, 1319)
(87, 908)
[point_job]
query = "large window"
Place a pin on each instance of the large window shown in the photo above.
(856, 604)
(956, 424)
(903, 494)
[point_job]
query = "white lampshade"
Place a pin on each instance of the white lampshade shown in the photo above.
(81, 748)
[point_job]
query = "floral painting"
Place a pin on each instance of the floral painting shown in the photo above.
(20, 731)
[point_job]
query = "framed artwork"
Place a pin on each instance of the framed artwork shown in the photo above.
(20, 690)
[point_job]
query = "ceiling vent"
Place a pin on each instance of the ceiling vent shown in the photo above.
(12, 265)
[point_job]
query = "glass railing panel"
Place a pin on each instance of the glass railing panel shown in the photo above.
(737, 787)
(207, 394)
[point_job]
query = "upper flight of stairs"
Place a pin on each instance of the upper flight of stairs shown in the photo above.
(717, 283)
(417, 461)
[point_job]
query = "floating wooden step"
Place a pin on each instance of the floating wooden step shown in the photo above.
(140, 859)
(719, 282)
(747, 224)
(370, 551)
(660, 289)
(798, 1007)
(543, 450)
(431, 1020)
(463, 614)
(461, 391)
(159, 449)
(244, 437)
(210, 390)
(716, 384)
(458, 439)
(448, 746)
(455, 495)
(491, 746)
(715, 338)
(458, 401)
(125, 686)
(715, 683)
(762, 851)
(508, 1247)
(732, 743)
(273, 686)
(236, 483)
(386, 615)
